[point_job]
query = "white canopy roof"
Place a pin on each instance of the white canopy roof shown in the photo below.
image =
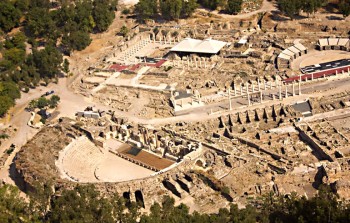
(343, 41)
(190, 45)
(323, 42)
(333, 41)
(300, 47)
(284, 56)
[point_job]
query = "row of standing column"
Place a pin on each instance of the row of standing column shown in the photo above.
(201, 63)
(260, 89)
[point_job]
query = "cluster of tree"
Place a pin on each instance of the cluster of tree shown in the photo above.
(51, 30)
(43, 102)
(71, 22)
(230, 6)
(21, 71)
(293, 7)
(8, 94)
(169, 9)
(344, 7)
(85, 204)
(9, 15)
(176, 9)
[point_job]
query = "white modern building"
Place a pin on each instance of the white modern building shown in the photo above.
(207, 47)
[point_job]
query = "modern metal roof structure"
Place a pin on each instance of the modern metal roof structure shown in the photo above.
(323, 42)
(284, 56)
(300, 47)
(343, 42)
(333, 41)
(190, 45)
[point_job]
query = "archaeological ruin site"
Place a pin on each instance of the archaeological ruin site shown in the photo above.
(210, 110)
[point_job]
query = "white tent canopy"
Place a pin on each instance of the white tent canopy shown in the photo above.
(190, 45)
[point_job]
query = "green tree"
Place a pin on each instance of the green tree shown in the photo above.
(15, 56)
(234, 6)
(48, 61)
(124, 31)
(54, 101)
(66, 66)
(103, 14)
(146, 9)
(344, 7)
(33, 104)
(22, 5)
(212, 4)
(188, 7)
(5, 104)
(13, 208)
(77, 40)
(290, 7)
(40, 24)
(16, 41)
(9, 15)
(311, 6)
(83, 16)
(42, 102)
(10, 90)
(83, 204)
(171, 9)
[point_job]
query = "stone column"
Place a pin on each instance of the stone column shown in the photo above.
(286, 91)
(234, 88)
(299, 88)
(258, 85)
(241, 88)
(248, 96)
(229, 98)
(261, 97)
(293, 87)
(280, 92)
(253, 88)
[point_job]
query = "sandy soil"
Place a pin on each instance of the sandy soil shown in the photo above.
(116, 169)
